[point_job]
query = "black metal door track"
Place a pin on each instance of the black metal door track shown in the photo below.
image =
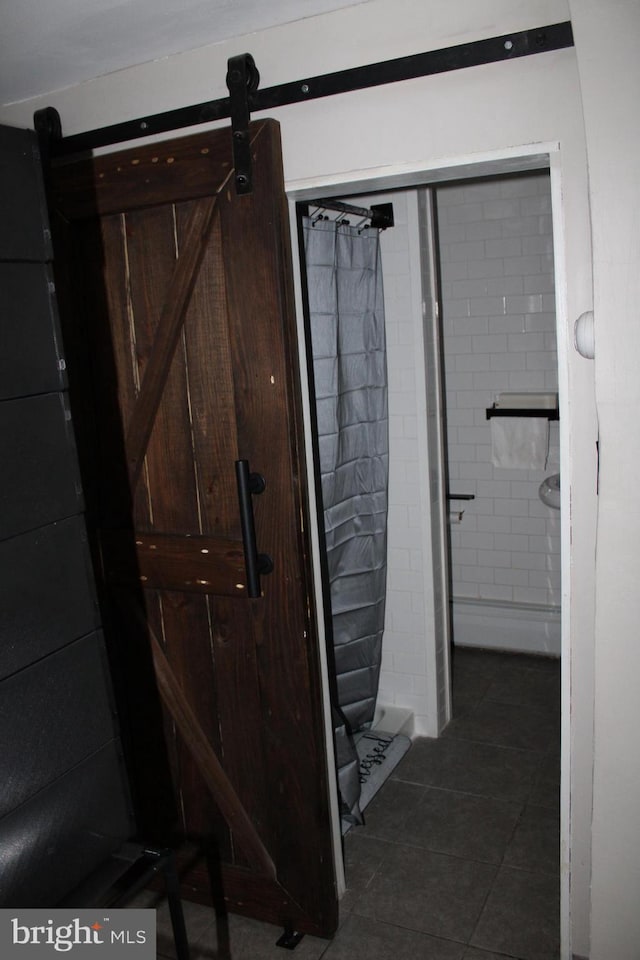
(245, 98)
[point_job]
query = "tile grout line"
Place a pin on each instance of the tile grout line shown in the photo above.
(486, 698)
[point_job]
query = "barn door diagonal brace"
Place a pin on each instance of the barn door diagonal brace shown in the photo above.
(242, 79)
(220, 787)
(170, 326)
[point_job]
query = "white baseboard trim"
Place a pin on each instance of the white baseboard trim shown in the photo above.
(521, 628)
(422, 728)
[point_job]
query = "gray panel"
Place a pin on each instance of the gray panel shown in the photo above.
(30, 342)
(346, 312)
(50, 844)
(47, 597)
(53, 715)
(64, 801)
(23, 235)
(39, 479)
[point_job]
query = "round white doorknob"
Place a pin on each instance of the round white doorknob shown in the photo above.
(584, 335)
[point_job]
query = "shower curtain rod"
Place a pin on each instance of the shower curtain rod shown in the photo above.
(510, 46)
(380, 214)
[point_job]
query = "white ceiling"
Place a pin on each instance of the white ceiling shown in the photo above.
(46, 45)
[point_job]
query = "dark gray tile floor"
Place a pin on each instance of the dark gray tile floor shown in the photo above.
(459, 856)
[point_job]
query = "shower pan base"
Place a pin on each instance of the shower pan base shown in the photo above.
(391, 720)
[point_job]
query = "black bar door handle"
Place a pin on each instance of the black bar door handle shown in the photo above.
(255, 563)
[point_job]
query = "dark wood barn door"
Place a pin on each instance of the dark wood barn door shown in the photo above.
(176, 294)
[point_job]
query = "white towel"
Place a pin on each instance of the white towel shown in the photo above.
(520, 443)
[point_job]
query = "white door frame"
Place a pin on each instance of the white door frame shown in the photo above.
(514, 159)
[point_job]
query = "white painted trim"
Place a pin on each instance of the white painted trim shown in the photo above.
(525, 157)
(435, 409)
(430, 721)
(521, 628)
(393, 176)
(566, 471)
(332, 778)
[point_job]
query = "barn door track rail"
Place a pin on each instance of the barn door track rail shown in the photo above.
(245, 98)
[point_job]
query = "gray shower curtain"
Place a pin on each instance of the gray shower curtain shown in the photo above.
(346, 309)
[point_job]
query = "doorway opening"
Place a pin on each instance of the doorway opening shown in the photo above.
(474, 553)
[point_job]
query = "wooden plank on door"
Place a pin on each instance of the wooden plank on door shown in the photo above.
(219, 352)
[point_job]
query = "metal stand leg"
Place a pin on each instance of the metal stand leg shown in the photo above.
(175, 908)
(289, 939)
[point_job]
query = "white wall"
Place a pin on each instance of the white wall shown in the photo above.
(407, 663)
(410, 130)
(606, 37)
(432, 434)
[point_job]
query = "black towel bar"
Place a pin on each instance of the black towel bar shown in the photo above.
(550, 414)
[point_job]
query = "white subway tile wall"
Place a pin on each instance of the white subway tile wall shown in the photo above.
(496, 254)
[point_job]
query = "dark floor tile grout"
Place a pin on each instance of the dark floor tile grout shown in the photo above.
(399, 926)
(481, 911)
(497, 666)
(490, 743)
(465, 793)
(437, 853)
(527, 802)
(537, 872)
(484, 697)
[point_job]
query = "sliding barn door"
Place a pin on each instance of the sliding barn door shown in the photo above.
(176, 295)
